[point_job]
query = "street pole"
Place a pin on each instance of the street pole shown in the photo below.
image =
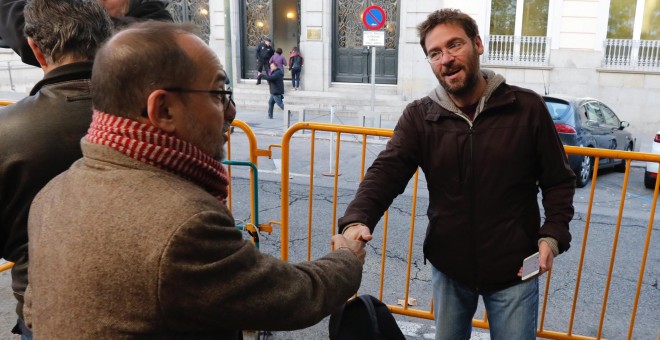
(373, 81)
(228, 57)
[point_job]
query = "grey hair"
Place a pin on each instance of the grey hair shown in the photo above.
(72, 28)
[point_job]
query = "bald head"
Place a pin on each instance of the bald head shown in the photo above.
(138, 60)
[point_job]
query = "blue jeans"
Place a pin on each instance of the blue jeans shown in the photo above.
(512, 312)
(23, 330)
(275, 98)
(295, 77)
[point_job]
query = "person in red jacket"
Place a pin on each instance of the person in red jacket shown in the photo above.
(486, 148)
(296, 62)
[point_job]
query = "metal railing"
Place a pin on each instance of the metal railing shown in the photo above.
(628, 54)
(12, 65)
(516, 50)
(555, 322)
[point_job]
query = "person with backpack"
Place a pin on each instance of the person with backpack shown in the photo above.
(296, 62)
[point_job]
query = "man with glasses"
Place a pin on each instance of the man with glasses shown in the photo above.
(135, 239)
(486, 148)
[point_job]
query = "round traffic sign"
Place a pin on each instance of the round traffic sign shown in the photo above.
(373, 17)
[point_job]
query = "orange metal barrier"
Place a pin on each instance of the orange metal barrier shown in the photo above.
(563, 331)
(6, 266)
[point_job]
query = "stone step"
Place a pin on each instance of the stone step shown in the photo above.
(247, 95)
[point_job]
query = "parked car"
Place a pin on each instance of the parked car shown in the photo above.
(651, 172)
(588, 122)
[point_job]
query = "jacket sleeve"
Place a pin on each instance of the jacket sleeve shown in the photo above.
(556, 181)
(211, 278)
(389, 174)
(12, 23)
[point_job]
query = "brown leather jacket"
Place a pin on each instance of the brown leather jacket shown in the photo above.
(483, 182)
(39, 138)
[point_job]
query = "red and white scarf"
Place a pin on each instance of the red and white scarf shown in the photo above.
(155, 147)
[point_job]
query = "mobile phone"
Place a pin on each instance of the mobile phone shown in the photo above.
(530, 266)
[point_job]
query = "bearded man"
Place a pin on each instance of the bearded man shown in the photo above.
(486, 148)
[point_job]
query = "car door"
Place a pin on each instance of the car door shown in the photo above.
(595, 124)
(621, 138)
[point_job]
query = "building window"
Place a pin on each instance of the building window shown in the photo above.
(517, 33)
(633, 36)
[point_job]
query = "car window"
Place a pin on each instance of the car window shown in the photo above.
(594, 113)
(609, 116)
(557, 110)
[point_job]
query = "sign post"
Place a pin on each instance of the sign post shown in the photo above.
(373, 19)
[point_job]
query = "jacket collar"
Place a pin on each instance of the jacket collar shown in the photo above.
(497, 93)
(74, 71)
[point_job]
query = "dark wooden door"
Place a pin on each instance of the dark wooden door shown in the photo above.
(351, 62)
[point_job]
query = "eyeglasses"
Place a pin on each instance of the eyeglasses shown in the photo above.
(452, 50)
(226, 96)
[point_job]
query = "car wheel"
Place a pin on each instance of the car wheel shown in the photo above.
(649, 181)
(584, 172)
(621, 167)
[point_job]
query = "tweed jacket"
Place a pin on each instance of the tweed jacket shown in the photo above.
(39, 138)
(120, 249)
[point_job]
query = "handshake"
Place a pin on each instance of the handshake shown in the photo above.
(353, 239)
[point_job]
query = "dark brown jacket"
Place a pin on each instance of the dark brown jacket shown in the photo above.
(39, 138)
(483, 182)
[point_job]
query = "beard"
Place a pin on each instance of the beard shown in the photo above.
(209, 140)
(462, 85)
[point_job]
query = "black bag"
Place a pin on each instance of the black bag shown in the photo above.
(364, 318)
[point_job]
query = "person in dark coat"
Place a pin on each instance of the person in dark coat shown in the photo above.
(487, 149)
(296, 62)
(122, 13)
(263, 53)
(276, 82)
(40, 134)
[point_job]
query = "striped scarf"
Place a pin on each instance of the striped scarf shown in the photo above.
(152, 146)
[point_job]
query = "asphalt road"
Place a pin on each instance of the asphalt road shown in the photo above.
(599, 244)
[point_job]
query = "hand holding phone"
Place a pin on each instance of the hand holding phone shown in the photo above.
(530, 266)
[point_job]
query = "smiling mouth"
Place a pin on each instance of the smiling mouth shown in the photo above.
(451, 72)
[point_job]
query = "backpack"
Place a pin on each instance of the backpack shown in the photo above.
(296, 61)
(364, 318)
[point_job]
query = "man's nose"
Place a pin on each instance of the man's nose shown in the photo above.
(230, 112)
(445, 58)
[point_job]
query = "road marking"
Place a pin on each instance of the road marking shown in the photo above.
(413, 329)
(278, 169)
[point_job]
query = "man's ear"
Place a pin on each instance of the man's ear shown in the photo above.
(159, 106)
(479, 44)
(37, 53)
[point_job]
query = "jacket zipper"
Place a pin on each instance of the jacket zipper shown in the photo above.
(472, 211)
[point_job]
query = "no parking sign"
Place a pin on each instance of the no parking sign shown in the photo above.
(374, 17)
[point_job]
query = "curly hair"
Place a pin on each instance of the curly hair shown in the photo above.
(73, 28)
(446, 16)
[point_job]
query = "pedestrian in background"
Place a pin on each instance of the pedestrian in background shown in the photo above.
(263, 53)
(278, 59)
(296, 62)
(276, 82)
(487, 148)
